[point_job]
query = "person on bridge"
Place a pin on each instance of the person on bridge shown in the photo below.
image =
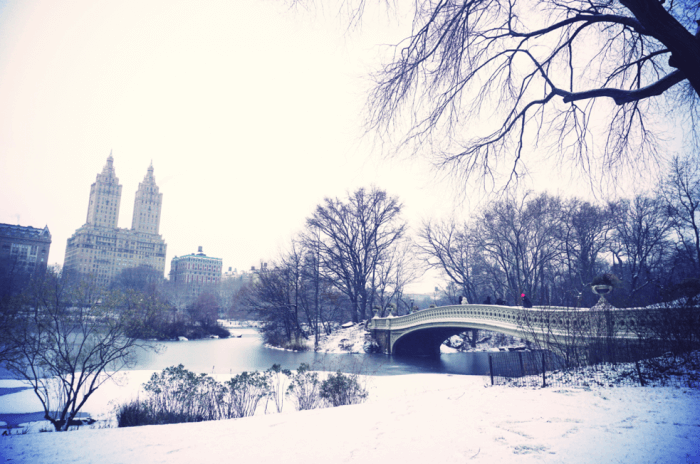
(487, 301)
(526, 301)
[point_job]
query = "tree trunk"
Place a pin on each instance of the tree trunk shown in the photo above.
(684, 46)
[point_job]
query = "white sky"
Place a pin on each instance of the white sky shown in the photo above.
(250, 112)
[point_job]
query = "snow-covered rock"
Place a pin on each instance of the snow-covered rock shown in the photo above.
(345, 340)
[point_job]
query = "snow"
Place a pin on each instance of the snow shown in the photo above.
(345, 340)
(407, 419)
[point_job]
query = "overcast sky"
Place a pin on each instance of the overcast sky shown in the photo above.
(251, 114)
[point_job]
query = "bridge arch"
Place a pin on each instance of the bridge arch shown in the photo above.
(426, 339)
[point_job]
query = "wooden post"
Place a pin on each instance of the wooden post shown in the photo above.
(544, 370)
(639, 373)
(522, 368)
(491, 368)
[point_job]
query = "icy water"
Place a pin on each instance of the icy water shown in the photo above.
(247, 353)
(234, 355)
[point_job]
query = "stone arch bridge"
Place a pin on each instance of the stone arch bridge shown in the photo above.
(422, 332)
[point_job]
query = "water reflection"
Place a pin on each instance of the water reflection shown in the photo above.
(247, 353)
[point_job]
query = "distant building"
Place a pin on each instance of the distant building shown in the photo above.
(24, 252)
(102, 250)
(235, 274)
(195, 271)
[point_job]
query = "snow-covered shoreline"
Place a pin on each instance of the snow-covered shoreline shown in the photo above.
(406, 419)
(411, 418)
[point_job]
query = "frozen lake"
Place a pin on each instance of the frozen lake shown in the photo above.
(247, 353)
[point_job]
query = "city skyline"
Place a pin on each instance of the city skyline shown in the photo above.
(101, 249)
(250, 112)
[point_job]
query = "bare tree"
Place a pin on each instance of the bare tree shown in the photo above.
(312, 298)
(321, 302)
(396, 270)
(681, 190)
(587, 231)
(521, 238)
(640, 247)
(486, 82)
(274, 296)
(452, 249)
(229, 292)
(353, 237)
(72, 339)
(205, 309)
(295, 298)
(143, 278)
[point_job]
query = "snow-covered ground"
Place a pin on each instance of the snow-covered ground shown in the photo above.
(344, 340)
(407, 419)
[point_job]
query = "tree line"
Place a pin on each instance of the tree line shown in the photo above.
(550, 248)
(354, 257)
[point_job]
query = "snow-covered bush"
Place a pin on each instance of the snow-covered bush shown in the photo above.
(304, 388)
(177, 395)
(243, 393)
(173, 396)
(342, 389)
(276, 379)
(133, 414)
(181, 394)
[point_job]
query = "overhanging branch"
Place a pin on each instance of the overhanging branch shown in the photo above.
(625, 96)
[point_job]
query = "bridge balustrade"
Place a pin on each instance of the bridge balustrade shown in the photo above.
(529, 323)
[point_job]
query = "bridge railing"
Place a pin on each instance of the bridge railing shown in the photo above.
(558, 320)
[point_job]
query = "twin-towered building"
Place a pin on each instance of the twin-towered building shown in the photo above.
(101, 249)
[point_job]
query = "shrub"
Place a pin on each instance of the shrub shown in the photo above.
(243, 393)
(133, 414)
(275, 335)
(304, 388)
(177, 395)
(219, 331)
(276, 379)
(173, 396)
(342, 389)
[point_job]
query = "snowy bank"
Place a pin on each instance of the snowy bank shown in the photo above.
(408, 419)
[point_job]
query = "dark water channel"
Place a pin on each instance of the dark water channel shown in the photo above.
(247, 353)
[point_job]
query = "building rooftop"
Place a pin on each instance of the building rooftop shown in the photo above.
(17, 231)
(199, 254)
(196, 255)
